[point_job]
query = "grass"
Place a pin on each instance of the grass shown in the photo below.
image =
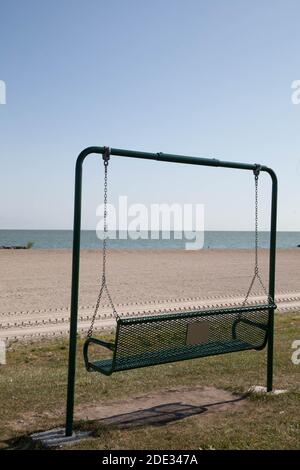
(33, 392)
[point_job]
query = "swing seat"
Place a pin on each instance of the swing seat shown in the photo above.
(160, 339)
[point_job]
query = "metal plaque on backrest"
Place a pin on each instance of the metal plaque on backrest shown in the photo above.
(197, 333)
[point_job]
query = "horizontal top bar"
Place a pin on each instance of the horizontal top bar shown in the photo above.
(166, 157)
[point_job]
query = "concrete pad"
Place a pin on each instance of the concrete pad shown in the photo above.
(56, 437)
(261, 389)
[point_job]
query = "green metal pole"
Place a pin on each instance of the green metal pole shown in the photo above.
(272, 266)
(75, 288)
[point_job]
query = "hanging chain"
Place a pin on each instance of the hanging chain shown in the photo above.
(256, 266)
(103, 286)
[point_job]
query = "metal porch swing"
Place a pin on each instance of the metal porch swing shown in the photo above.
(169, 337)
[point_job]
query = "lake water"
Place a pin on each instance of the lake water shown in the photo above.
(212, 239)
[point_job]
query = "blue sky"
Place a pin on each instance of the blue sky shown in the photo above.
(204, 78)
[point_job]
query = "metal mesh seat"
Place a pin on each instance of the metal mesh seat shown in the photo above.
(152, 340)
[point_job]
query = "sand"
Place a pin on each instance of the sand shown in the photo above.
(37, 279)
(40, 280)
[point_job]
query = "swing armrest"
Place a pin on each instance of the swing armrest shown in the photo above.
(247, 322)
(99, 342)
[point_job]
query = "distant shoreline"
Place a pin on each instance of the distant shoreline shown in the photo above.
(59, 239)
(143, 249)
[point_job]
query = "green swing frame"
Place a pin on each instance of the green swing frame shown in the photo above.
(159, 339)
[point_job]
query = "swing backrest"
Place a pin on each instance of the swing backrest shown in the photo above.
(145, 341)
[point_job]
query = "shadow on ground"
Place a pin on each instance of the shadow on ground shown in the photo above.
(159, 415)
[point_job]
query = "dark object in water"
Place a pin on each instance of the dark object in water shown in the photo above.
(16, 247)
(298, 246)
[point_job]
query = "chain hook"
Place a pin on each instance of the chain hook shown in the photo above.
(106, 155)
(256, 170)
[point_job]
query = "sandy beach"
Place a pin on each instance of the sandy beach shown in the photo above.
(36, 279)
(40, 280)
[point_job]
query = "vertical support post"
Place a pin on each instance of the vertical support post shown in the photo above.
(270, 350)
(74, 297)
(75, 286)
